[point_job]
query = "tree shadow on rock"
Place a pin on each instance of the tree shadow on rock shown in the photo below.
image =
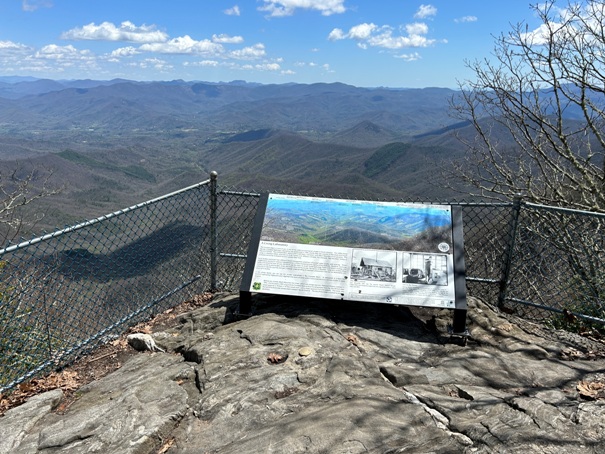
(136, 258)
(395, 320)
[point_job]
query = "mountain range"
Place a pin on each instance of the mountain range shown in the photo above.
(114, 143)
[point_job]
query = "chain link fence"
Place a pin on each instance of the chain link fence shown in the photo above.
(557, 271)
(65, 293)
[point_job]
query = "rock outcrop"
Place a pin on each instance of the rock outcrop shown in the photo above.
(330, 377)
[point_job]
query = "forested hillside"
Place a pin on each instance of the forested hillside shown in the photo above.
(109, 144)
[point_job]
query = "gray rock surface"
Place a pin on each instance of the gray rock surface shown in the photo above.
(329, 377)
(143, 342)
(129, 411)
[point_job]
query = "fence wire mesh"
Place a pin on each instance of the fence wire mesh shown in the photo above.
(235, 218)
(63, 294)
(66, 293)
(558, 266)
(487, 237)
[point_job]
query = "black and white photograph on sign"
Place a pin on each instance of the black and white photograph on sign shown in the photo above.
(348, 223)
(428, 269)
(374, 265)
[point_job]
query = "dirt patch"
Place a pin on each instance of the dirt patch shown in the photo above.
(99, 363)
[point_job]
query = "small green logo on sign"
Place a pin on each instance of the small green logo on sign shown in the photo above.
(256, 286)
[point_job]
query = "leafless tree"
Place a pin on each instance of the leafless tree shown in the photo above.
(545, 90)
(19, 188)
(537, 107)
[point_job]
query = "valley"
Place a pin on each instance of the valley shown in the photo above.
(112, 144)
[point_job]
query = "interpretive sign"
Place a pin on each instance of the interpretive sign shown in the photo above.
(383, 252)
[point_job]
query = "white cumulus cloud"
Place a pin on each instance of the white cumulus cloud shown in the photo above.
(234, 11)
(337, 34)
(417, 28)
(568, 24)
(361, 31)
(540, 35)
(54, 52)
(107, 31)
(128, 51)
(409, 57)
(155, 63)
(280, 8)
(425, 11)
(226, 39)
(63, 58)
(184, 45)
(371, 35)
(466, 19)
(267, 67)
(33, 5)
(249, 53)
(13, 47)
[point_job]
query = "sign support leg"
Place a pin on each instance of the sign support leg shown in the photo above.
(245, 303)
(459, 324)
(458, 328)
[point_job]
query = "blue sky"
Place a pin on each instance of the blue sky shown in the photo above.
(367, 43)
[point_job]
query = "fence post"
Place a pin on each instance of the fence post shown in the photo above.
(508, 256)
(213, 232)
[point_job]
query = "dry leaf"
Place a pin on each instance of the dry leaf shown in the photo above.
(166, 446)
(353, 339)
(26, 387)
(506, 327)
(145, 329)
(571, 354)
(275, 358)
(592, 390)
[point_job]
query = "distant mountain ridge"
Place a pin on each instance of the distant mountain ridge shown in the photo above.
(120, 105)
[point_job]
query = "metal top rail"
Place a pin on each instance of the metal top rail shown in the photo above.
(105, 217)
(565, 210)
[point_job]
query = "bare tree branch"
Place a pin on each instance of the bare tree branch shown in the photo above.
(20, 188)
(543, 91)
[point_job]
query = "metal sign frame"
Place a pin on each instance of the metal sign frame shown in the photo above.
(382, 252)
